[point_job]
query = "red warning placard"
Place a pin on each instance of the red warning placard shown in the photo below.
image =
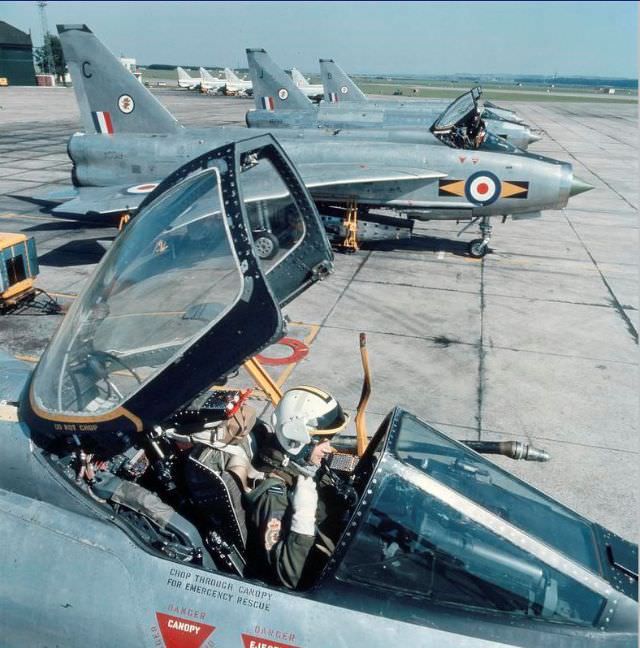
(182, 633)
(259, 642)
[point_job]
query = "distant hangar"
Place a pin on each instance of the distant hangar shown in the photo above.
(16, 56)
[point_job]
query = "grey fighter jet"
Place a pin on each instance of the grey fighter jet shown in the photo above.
(122, 478)
(340, 88)
(131, 142)
(269, 80)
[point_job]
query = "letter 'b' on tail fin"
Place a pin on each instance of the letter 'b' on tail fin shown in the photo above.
(337, 85)
(273, 88)
(110, 98)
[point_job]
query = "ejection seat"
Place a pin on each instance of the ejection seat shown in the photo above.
(218, 474)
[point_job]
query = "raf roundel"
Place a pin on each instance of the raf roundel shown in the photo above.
(482, 188)
(126, 104)
(283, 93)
(344, 89)
(142, 188)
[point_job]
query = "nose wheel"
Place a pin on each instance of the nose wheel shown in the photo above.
(479, 247)
(266, 244)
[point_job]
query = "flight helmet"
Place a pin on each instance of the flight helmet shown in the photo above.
(304, 413)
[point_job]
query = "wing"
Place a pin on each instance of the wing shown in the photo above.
(118, 199)
(102, 201)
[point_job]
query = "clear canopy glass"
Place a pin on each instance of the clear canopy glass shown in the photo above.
(456, 112)
(167, 278)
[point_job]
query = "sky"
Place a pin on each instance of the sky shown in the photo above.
(564, 38)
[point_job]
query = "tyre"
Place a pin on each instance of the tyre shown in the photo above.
(266, 245)
(478, 248)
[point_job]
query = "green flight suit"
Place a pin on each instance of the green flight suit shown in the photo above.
(276, 553)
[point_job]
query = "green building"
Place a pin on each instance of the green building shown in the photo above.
(16, 56)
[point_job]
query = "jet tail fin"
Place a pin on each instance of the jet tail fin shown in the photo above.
(183, 75)
(337, 84)
(298, 79)
(205, 75)
(231, 76)
(273, 88)
(110, 98)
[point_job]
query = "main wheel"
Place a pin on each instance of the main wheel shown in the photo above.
(478, 248)
(266, 244)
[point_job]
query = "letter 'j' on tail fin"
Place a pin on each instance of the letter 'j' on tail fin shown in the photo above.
(110, 98)
(337, 85)
(273, 88)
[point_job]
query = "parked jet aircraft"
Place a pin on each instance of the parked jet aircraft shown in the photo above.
(122, 478)
(131, 142)
(386, 115)
(340, 88)
(234, 85)
(314, 91)
(187, 81)
(209, 82)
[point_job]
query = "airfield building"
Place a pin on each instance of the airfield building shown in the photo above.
(16, 56)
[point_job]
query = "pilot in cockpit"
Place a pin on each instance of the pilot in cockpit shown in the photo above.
(293, 518)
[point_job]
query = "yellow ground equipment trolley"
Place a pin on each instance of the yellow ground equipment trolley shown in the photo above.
(18, 269)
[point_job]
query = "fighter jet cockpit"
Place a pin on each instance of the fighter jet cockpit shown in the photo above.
(461, 125)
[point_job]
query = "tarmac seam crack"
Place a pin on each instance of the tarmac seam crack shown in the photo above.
(555, 354)
(344, 290)
(439, 340)
(558, 301)
(615, 302)
(410, 285)
(481, 354)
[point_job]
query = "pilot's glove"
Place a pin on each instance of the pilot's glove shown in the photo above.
(305, 503)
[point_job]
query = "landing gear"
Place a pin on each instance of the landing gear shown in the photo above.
(350, 244)
(266, 244)
(479, 247)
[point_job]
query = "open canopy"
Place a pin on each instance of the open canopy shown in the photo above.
(182, 299)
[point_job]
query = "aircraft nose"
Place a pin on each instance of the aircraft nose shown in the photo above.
(579, 186)
(534, 137)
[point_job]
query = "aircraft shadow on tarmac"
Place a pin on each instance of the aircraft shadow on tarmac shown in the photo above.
(419, 243)
(74, 253)
(63, 225)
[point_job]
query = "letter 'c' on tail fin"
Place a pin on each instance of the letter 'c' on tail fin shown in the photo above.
(273, 88)
(337, 85)
(110, 98)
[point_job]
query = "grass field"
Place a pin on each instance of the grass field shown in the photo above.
(438, 89)
(492, 94)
